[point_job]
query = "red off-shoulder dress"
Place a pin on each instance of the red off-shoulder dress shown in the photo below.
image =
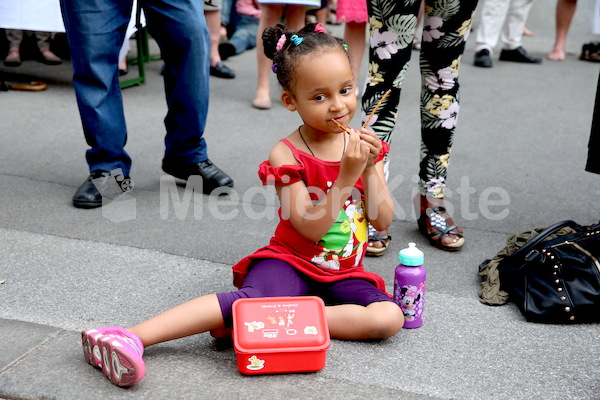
(339, 254)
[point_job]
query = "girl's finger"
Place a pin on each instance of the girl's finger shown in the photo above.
(354, 139)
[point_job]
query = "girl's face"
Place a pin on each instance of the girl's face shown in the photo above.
(324, 90)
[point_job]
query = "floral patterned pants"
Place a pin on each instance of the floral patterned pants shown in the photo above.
(446, 27)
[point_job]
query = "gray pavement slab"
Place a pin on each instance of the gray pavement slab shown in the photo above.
(517, 163)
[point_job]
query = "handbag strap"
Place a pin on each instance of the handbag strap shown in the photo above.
(541, 236)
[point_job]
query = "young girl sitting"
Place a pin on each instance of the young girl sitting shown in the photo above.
(329, 182)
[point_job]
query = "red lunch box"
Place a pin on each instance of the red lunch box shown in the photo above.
(274, 335)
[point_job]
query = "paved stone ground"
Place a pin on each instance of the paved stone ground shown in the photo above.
(523, 132)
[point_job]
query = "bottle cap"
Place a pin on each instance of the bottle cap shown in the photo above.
(411, 256)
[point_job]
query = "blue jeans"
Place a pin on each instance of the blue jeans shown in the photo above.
(244, 37)
(96, 30)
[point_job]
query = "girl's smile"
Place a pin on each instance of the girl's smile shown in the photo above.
(324, 90)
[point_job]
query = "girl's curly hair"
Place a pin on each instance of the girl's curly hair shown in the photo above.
(285, 60)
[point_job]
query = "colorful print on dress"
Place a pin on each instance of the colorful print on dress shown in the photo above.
(343, 244)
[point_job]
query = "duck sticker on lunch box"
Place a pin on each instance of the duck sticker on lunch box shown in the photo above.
(255, 363)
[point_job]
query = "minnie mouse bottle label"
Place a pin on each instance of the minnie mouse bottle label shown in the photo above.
(409, 285)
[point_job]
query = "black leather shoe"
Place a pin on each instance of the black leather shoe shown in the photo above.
(87, 195)
(212, 176)
(483, 59)
(98, 185)
(222, 71)
(226, 50)
(519, 55)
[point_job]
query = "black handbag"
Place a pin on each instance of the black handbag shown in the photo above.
(556, 280)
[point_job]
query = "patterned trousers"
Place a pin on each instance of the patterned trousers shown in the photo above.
(392, 24)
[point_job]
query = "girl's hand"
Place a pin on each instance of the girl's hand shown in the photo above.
(374, 144)
(356, 157)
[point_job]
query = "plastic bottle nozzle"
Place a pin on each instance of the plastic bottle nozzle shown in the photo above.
(411, 256)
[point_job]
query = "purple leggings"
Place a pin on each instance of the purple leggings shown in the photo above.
(271, 277)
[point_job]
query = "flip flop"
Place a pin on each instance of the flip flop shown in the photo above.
(33, 86)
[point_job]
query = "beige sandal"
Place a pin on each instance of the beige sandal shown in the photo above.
(377, 236)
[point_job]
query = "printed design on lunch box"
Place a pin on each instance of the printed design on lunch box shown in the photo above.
(311, 330)
(254, 326)
(255, 363)
(411, 300)
(279, 319)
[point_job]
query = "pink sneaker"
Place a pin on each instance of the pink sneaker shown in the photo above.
(89, 342)
(117, 351)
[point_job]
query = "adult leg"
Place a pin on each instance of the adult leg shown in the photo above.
(244, 37)
(565, 9)
(389, 53)
(512, 34)
(593, 162)
(271, 14)
(354, 35)
(15, 37)
(493, 15)
(179, 28)
(213, 22)
(180, 31)
(43, 44)
(217, 68)
(295, 17)
(96, 31)
(440, 64)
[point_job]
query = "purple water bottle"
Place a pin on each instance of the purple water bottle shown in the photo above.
(409, 285)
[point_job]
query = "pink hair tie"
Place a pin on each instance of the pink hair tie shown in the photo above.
(280, 43)
(319, 28)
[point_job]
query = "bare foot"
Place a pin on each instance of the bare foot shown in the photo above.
(123, 64)
(557, 55)
(262, 101)
(50, 58)
(13, 58)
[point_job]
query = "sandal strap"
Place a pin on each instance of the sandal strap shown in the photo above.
(379, 238)
(448, 231)
(439, 226)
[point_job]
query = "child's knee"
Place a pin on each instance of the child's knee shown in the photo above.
(387, 320)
